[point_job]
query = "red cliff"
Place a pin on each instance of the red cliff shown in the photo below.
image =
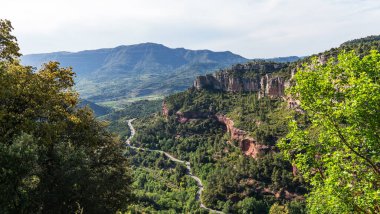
(165, 110)
(246, 143)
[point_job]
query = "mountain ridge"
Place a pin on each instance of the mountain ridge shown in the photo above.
(111, 76)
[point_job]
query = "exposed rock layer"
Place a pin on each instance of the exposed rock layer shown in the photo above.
(247, 144)
(165, 110)
(266, 85)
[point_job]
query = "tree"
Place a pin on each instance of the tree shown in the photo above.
(339, 152)
(54, 156)
(9, 49)
(278, 209)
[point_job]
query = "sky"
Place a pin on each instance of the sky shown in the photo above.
(251, 28)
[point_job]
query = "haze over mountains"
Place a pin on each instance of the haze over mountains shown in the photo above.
(112, 76)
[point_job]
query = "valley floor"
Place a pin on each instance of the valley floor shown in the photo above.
(172, 158)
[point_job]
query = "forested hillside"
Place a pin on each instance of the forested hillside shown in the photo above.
(286, 135)
(230, 123)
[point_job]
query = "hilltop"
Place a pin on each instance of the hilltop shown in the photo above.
(148, 70)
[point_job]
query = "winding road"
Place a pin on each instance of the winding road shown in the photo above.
(188, 166)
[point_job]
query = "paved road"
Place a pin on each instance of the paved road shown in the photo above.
(188, 166)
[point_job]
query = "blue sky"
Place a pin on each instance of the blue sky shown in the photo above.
(251, 28)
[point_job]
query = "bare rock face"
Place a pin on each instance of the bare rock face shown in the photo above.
(184, 117)
(267, 85)
(272, 87)
(294, 170)
(165, 110)
(322, 59)
(224, 82)
(246, 143)
(251, 148)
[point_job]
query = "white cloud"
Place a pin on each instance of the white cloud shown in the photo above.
(252, 28)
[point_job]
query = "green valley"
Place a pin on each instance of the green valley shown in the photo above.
(150, 129)
(228, 126)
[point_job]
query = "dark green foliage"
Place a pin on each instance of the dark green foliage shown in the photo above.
(233, 182)
(98, 110)
(284, 59)
(9, 49)
(369, 39)
(227, 174)
(297, 207)
(136, 109)
(265, 119)
(161, 185)
(254, 69)
(54, 156)
(118, 118)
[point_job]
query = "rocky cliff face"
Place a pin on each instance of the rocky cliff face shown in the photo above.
(165, 110)
(224, 82)
(272, 86)
(184, 117)
(246, 143)
(266, 85)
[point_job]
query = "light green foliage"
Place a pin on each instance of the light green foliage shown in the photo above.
(339, 152)
(278, 209)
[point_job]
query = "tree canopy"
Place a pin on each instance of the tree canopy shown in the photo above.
(338, 152)
(54, 156)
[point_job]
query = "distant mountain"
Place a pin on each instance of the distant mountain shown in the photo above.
(115, 75)
(284, 59)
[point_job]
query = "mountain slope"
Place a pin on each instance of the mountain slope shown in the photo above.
(98, 110)
(228, 126)
(147, 70)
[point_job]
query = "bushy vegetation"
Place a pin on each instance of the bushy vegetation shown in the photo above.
(232, 180)
(117, 119)
(97, 109)
(54, 156)
(265, 119)
(161, 185)
(338, 153)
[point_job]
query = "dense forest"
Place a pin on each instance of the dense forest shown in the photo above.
(280, 181)
(234, 182)
(55, 157)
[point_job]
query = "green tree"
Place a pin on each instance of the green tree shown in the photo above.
(339, 152)
(9, 49)
(54, 156)
(278, 209)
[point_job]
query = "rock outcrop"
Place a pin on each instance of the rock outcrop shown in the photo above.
(266, 85)
(223, 82)
(272, 87)
(165, 110)
(246, 143)
(184, 117)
